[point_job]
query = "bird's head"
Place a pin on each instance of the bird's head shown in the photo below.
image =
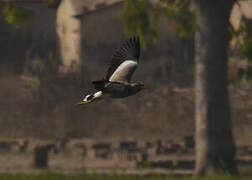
(137, 87)
(142, 86)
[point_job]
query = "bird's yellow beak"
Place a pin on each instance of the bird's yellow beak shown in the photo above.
(87, 102)
(143, 87)
(83, 102)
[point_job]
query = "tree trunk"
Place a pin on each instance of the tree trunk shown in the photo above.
(215, 150)
(69, 30)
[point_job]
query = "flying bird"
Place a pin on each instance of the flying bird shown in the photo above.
(117, 83)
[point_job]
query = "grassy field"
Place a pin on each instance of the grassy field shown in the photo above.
(59, 176)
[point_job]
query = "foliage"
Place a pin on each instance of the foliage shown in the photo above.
(142, 18)
(136, 19)
(179, 10)
(16, 16)
(247, 39)
(53, 3)
(244, 47)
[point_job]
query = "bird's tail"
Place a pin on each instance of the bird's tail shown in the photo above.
(91, 98)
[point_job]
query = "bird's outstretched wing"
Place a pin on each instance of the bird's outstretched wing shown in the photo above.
(124, 61)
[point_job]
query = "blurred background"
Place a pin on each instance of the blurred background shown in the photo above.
(51, 51)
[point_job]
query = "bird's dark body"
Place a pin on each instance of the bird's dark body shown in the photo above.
(120, 89)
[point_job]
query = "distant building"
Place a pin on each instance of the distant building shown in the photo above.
(102, 150)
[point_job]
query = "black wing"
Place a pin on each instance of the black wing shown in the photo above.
(130, 50)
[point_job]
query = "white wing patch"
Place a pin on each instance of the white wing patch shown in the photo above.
(93, 96)
(87, 96)
(98, 94)
(124, 71)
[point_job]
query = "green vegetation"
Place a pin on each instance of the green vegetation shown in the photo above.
(179, 10)
(244, 47)
(137, 20)
(139, 17)
(16, 16)
(58, 176)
